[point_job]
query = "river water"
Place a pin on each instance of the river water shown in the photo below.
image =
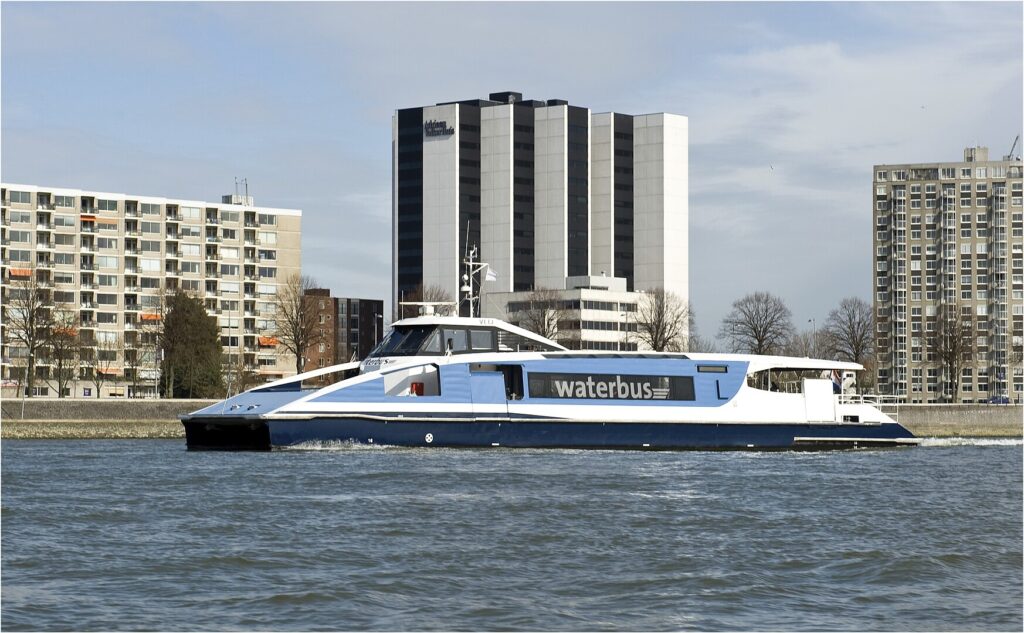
(142, 535)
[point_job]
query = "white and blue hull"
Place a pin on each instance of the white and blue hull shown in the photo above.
(551, 401)
(241, 434)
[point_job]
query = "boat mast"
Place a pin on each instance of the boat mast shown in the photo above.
(473, 268)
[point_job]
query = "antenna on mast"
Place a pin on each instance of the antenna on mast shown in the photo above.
(473, 268)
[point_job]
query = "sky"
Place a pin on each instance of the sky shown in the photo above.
(789, 105)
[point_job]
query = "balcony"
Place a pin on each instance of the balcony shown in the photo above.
(85, 266)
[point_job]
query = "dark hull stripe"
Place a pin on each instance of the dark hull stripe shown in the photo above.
(221, 434)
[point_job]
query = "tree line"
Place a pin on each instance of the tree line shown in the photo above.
(175, 344)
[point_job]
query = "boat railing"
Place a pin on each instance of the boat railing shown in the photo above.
(887, 404)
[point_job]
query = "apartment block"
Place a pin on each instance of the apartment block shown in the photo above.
(107, 259)
(949, 237)
(546, 190)
(348, 328)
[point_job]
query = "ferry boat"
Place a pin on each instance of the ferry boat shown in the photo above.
(473, 382)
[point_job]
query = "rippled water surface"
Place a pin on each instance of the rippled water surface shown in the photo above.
(144, 535)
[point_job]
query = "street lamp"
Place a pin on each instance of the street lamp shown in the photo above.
(625, 344)
(814, 337)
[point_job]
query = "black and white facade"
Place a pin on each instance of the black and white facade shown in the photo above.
(547, 191)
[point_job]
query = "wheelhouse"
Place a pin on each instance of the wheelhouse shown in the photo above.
(441, 336)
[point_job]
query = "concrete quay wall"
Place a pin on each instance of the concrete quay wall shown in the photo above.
(963, 420)
(105, 410)
(94, 418)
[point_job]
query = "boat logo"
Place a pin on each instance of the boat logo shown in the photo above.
(429, 438)
(611, 387)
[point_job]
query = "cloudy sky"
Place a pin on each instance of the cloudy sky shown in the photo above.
(789, 104)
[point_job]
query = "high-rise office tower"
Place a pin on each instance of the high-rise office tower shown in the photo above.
(545, 190)
(949, 279)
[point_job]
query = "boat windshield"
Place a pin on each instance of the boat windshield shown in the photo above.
(404, 341)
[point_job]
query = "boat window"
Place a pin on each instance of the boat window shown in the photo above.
(784, 379)
(713, 369)
(405, 341)
(481, 340)
(458, 340)
(433, 344)
(512, 342)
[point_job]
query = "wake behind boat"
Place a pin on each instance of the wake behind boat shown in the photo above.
(470, 382)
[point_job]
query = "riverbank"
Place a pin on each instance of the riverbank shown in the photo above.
(963, 420)
(91, 430)
(152, 419)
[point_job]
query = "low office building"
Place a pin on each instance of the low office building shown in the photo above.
(348, 329)
(595, 313)
(106, 259)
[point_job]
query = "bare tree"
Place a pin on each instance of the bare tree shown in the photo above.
(102, 362)
(662, 320)
(544, 312)
(427, 294)
(149, 341)
(296, 324)
(851, 330)
(808, 344)
(694, 341)
(760, 323)
(240, 376)
(799, 344)
(28, 321)
(63, 344)
(952, 345)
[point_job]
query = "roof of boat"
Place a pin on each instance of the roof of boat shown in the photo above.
(475, 321)
(757, 362)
